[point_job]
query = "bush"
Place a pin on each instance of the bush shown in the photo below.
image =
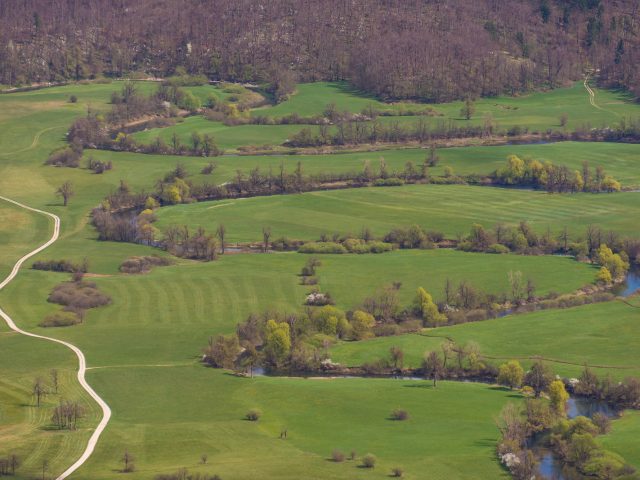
(143, 264)
(602, 422)
(73, 99)
(60, 266)
(322, 247)
(498, 248)
(337, 456)
(400, 415)
(369, 461)
(253, 415)
(389, 182)
(60, 319)
(397, 472)
(78, 295)
(65, 157)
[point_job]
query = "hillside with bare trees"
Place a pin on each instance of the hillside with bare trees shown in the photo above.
(429, 50)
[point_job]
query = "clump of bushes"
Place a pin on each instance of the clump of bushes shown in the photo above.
(143, 264)
(322, 248)
(60, 319)
(318, 299)
(349, 245)
(253, 415)
(369, 461)
(399, 415)
(66, 157)
(76, 296)
(61, 266)
(337, 456)
(98, 166)
(389, 182)
(184, 474)
(80, 294)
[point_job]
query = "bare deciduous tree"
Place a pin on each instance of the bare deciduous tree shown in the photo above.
(66, 192)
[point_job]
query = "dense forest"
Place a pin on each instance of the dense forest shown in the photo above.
(433, 50)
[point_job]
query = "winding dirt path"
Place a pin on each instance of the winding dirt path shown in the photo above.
(35, 141)
(82, 363)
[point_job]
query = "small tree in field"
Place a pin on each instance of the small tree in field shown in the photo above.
(66, 192)
(432, 367)
(54, 379)
(127, 460)
(468, 109)
(221, 233)
(511, 374)
(266, 234)
(39, 390)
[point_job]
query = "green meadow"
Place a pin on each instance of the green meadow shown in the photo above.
(537, 112)
(603, 335)
(451, 209)
(351, 278)
(144, 348)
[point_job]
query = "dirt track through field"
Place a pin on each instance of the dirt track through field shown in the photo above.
(82, 363)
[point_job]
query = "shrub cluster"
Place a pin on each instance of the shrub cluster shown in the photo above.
(76, 297)
(143, 264)
(61, 266)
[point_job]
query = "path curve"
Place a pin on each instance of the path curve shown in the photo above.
(34, 142)
(82, 363)
(592, 98)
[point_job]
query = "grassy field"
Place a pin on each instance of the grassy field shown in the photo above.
(19, 230)
(145, 347)
(184, 304)
(602, 334)
(444, 435)
(226, 137)
(451, 209)
(539, 111)
(622, 161)
(623, 438)
(619, 160)
(25, 429)
(179, 307)
(351, 278)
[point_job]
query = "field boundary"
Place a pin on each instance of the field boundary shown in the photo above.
(82, 363)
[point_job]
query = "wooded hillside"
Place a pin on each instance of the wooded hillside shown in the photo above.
(435, 50)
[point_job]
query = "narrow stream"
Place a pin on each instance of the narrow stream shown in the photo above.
(550, 467)
(630, 286)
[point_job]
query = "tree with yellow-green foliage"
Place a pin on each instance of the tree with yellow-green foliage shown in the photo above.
(558, 397)
(277, 343)
(361, 324)
(427, 309)
(604, 276)
(329, 320)
(511, 374)
(613, 262)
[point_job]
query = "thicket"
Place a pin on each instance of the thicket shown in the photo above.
(76, 297)
(553, 178)
(61, 266)
(143, 264)
(573, 441)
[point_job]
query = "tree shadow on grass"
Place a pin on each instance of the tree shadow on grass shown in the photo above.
(420, 385)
